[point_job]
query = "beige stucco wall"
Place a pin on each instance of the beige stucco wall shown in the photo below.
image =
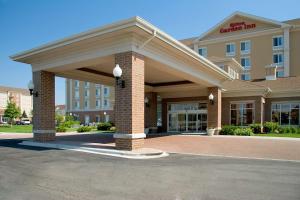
(295, 52)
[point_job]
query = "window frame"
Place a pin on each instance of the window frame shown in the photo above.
(243, 102)
(248, 51)
(280, 64)
(290, 110)
(203, 48)
(279, 47)
(230, 53)
(248, 67)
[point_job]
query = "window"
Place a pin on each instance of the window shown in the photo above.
(86, 93)
(97, 103)
(222, 66)
(86, 104)
(77, 105)
(203, 51)
(106, 104)
(86, 84)
(76, 83)
(246, 76)
(97, 92)
(278, 59)
(277, 42)
(76, 93)
(230, 49)
(246, 63)
(245, 47)
(86, 119)
(280, 73)
(97, 85)
(106, 91)
(97, 118)
(286, 113)
(241, 114)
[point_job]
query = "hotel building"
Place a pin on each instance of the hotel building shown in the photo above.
(19, 96)
(89, 102)
(244, 70)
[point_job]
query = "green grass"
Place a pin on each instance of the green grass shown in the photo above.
(290, 135)
(16, 129)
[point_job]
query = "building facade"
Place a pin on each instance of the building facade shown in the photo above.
(19, 96)
(244, 70)
(89, 102)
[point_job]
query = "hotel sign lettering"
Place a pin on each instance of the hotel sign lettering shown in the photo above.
(237, 26)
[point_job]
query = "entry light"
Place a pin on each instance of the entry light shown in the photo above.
(104, 113)
(146, 100)
(31, 88)
(117, 72)
(211, 98)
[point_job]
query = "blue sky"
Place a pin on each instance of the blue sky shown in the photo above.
(27, 24)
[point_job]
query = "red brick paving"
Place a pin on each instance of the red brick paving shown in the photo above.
(229, 146)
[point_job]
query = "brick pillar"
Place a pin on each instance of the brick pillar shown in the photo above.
(129, 102)
(214, 110)
(44, 106)
(151, 110)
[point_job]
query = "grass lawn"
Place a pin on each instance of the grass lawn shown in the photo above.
(16, 129)
(291, 135)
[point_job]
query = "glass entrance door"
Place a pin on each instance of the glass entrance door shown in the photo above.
(187, 117)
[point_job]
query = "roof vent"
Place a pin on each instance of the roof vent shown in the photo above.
(271, 72)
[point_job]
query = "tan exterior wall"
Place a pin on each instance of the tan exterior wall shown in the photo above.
(295, 53)
(260, 56)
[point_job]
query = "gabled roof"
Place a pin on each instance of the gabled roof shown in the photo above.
(241, 14)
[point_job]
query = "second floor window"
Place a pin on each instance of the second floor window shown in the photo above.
(86, 84)
(203, 51)
(245, 47)
(97, 103)
(97, 92)
(77, 104)
(246, 76)
(76, 93)
(86, 93)
(245, 62)
(106, 91)
(277, 42)
(76, 83)
(278, 59)
(230, 49)
(86, 104)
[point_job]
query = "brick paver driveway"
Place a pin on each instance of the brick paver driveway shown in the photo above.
(237, 146)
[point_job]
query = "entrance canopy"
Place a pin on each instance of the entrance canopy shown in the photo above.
(90, 56)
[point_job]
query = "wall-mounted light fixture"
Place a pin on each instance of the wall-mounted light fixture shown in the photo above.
(31, 88)
(117, 72)
(211, 99)
(146, 100)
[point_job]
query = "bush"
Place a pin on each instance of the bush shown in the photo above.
(298, 130)
(243, 131)
(228, 130)
(84, 129)
(104, 126)
(256, 128)
(70, 124)
(61, 129)
(271, 127)
(293, 130)
(113, 128)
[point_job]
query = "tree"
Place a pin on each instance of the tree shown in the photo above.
(59, 119)
(12, 112)
(24, 115)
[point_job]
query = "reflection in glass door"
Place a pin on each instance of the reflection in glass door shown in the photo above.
(192, 122)
(202, 122)
(182, 122)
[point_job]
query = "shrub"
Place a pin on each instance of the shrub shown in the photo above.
(280, 130)
(243, 131)
(271, 127)
(70, 124)
(293, 130)
(84, 129)
(104, 126)
(256, 128)
(61, 129)
(298, 130)
(228, 130)
(113, 128)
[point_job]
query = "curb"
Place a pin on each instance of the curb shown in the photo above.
(101, 151)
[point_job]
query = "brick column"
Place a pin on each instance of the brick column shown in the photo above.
(151, 110)
(129, 102)
(44, 106)
(214, 110)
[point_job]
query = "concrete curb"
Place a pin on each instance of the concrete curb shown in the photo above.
(101, 151)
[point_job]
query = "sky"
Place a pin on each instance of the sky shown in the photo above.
(30, 23)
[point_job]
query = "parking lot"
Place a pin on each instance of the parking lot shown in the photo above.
(39, 173)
